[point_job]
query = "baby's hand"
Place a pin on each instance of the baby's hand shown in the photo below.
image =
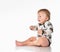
(32, 27)
(39, 31)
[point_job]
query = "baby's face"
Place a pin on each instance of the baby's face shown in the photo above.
(42, 17)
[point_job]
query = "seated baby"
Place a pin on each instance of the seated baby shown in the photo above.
(44, 29)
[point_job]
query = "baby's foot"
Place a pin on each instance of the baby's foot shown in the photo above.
(19, 43)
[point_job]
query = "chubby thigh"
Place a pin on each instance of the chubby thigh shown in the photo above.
(43, 41)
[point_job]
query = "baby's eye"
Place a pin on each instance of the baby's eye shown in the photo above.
(39, 16)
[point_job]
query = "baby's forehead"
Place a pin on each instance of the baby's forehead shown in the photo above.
(42, 13)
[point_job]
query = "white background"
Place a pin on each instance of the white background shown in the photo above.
(17, 15)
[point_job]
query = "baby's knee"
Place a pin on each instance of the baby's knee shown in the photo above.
(33, 38)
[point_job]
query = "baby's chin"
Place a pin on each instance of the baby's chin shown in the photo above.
(40, 22)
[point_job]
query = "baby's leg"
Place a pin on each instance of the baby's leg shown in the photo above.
(42, 41)
(18, 43)
(30, 39)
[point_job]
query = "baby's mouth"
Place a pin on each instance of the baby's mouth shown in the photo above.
(39, 20)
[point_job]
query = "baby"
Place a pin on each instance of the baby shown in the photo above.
(44, 29)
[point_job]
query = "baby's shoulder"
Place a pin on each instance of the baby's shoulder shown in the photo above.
(48, 23)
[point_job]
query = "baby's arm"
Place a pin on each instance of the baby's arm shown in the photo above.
(35, 28)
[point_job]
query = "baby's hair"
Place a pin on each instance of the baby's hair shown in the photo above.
(46, 11)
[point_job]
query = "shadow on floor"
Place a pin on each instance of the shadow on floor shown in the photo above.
(33, 49)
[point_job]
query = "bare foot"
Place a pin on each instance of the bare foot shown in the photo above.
(19, 43)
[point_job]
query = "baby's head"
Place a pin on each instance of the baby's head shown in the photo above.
(43, 15)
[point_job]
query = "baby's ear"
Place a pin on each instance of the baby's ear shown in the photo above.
(47, 18)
